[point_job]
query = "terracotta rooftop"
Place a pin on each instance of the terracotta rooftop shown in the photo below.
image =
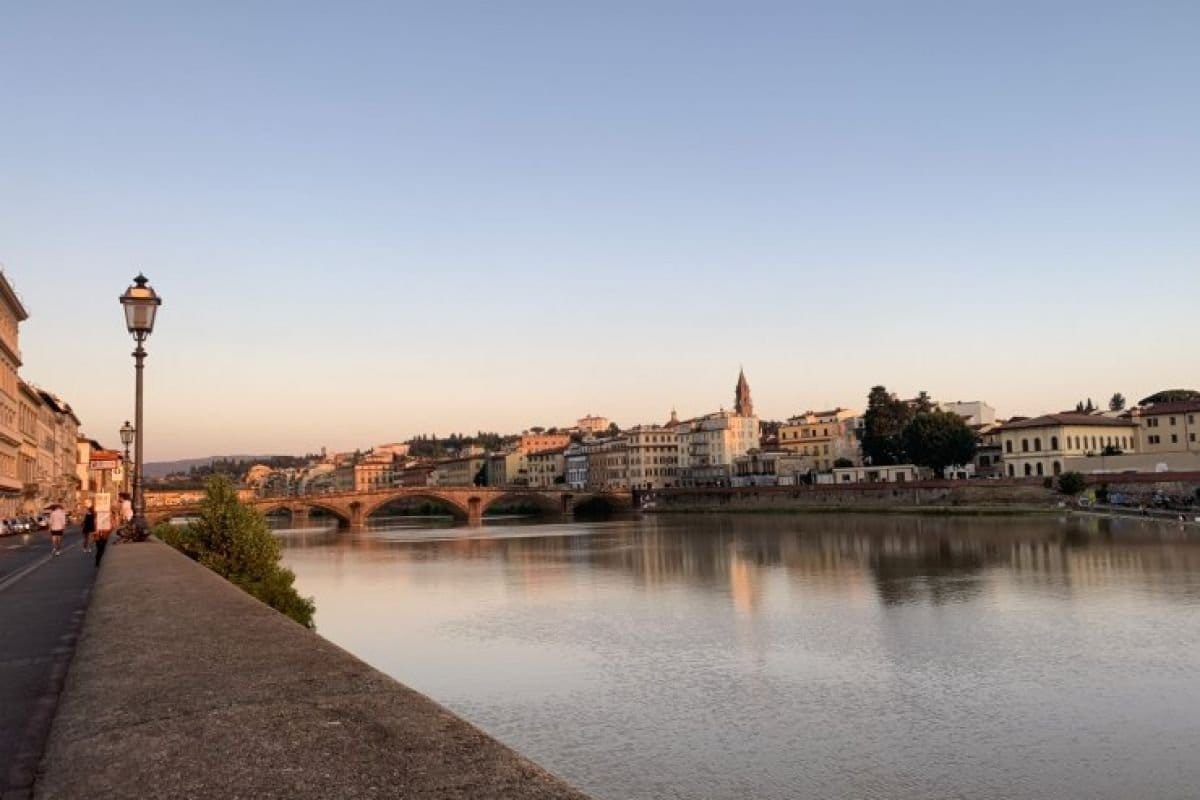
(1066, 418)
(1176, 407)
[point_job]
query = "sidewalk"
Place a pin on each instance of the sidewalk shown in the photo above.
(42, 603)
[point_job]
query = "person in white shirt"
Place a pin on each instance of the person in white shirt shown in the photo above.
(58, 524)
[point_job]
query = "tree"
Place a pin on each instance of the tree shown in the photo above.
(883, 426)
(613, 429)
(233, 540)
(1116, 402)
(938, 439)
(1170, 396)
(1111, 450)
(923, 402)
(842, 463)
(1071, 483)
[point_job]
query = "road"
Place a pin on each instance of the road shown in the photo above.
(42, 603)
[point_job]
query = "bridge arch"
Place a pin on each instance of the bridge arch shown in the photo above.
(550, 505)
(453, 504)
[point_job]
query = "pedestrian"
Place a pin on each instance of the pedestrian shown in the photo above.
(58, 524)
(104, 526)
(89, 528)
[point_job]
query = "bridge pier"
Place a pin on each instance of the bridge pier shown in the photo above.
(474, 512)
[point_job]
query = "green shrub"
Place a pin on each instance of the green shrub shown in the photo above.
(233, 540)
(1071, 483)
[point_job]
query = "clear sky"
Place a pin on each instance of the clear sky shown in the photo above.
(370, 220)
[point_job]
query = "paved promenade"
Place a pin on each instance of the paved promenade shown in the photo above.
(42, 604)
(183, 686)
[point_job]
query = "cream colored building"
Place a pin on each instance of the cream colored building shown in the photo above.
(29, 414)
(769, 468)
(822, 437)
(709, 445)
(458, 471)
(653, 455)
(1169, 427)
(1041, 445)
(894, 473)
(12, 314)
(596, 426)
(546, 468)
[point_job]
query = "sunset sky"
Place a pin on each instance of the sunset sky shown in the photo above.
(372, 220)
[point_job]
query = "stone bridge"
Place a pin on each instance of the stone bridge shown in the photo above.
(465, 503)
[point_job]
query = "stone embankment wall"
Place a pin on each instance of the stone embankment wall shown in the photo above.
(962, 495)
(978, 496)
(182, 685)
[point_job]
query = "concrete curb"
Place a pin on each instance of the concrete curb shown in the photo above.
(184, 686)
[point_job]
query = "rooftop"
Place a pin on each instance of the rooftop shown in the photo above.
(1065, 418)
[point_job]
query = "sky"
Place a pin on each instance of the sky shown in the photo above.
(373, 220)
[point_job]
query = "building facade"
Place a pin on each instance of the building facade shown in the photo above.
(653, 456)
(1042, 445)
(769, 468)
(458, 471)
(974, 412)
(1169, 427)
(531, 442)
(12, 314)
(607, 464)
(575, 465)
(822, 438)
(547, 468)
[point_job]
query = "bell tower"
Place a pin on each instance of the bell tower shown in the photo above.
(743, 406)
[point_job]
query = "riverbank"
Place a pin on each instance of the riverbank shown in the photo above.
(182, 685)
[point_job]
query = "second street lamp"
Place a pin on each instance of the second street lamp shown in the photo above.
(141, 305)
(126, 439)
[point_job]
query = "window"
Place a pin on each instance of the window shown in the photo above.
(1053, 442)
(1039, 468)
(1024, 445)
(1008, 446)
(1057, 468)
(1028, 470)
(1172, 422)
(1011, 471)
(1174, 439)
(1037, 445)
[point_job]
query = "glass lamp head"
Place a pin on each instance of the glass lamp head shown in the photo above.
(141, 303)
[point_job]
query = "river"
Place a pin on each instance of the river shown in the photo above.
(793, 656)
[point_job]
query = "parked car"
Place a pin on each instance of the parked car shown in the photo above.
(5, 528)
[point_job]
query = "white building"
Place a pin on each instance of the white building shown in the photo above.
(975, 412)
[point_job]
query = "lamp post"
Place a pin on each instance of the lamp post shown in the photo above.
(127, 439)
(140, 303)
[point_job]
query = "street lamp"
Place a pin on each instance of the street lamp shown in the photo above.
(127, 439)
(141, 304)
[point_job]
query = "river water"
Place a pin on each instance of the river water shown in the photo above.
(808, 656)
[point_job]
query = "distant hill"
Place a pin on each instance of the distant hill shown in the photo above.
(161, 469)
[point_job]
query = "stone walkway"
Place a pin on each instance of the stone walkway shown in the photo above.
(42, 604)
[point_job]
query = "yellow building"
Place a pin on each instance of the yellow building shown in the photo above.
(508, 469)
(822, 437)
(12, 314)
(1169, 427)
(1041, 445)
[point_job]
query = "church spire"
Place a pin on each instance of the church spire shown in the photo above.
(743, 406)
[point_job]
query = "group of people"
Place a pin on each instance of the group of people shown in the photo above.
(96, 528)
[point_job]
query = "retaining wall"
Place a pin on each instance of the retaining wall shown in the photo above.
(184, 686)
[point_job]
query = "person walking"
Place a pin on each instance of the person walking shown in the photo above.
(58, 524)
(103, 525)
(89, 528)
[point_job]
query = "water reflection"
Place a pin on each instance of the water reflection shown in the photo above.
(781, 656)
